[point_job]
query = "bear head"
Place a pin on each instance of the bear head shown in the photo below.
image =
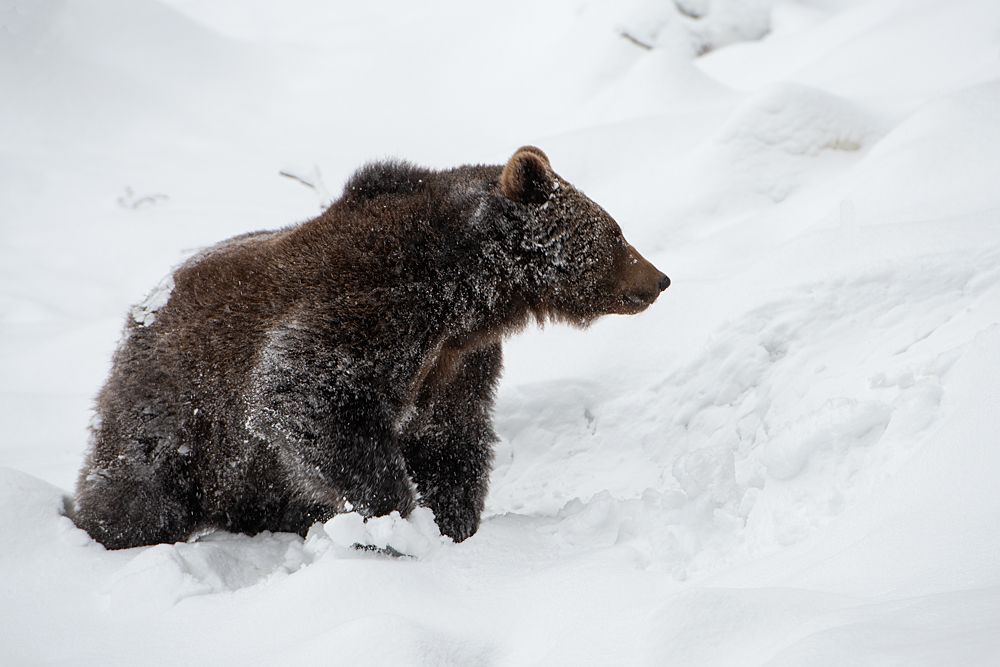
(584, 267)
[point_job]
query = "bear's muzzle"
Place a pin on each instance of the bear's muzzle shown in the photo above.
(640, 283)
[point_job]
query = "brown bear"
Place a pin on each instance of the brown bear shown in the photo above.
(349, 362)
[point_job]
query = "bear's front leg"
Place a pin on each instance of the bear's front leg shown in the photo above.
(448, 443)
(331, 436)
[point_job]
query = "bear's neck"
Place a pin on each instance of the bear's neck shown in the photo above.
(428, 284)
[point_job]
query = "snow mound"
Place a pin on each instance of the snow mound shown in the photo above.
(778, 141)
(940, 161)
(799, 120)
(698, 26)
(160, 576)
(417, 535)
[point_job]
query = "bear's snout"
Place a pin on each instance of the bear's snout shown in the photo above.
(641, 282)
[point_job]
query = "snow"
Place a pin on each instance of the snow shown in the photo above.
(788, 460)
(145, 312)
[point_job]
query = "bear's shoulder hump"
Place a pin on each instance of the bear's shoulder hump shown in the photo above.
(385, 177)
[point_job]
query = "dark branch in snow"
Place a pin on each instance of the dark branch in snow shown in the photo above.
(648, 47)
(686, 11)
(300, 180)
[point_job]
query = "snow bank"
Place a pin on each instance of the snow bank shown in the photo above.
(417, 535)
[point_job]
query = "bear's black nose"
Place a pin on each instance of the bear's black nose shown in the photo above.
(665, 283)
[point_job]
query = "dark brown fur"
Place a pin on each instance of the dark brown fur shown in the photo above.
(349, 362)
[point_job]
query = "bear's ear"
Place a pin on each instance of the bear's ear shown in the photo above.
(527, 176)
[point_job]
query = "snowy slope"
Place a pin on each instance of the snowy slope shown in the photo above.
(787, 460)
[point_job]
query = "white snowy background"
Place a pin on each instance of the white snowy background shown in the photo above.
(790, 459)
